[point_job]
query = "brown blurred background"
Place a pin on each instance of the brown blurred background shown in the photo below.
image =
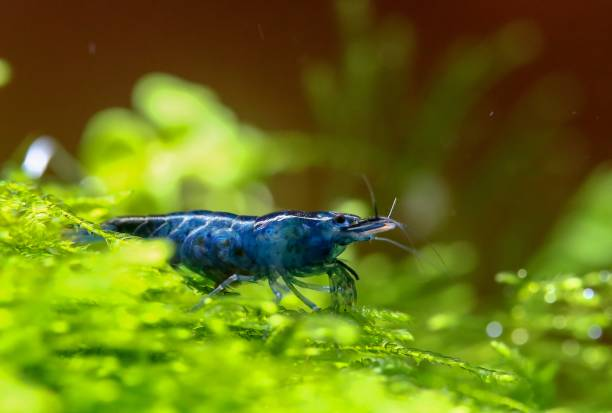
(537, 98)
(71, 59)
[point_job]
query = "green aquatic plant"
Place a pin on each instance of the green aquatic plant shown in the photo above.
(557, 326)
(181, 148)
(107, 326)
(101, 327)
(5, 72)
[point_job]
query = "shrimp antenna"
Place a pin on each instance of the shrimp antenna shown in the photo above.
(402, 228)
(410, 250)
(399, 245)
(392, 207)
(372, 196)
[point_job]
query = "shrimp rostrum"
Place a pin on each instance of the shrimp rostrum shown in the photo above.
(283, 248)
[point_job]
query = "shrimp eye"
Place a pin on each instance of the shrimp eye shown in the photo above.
(339, 219)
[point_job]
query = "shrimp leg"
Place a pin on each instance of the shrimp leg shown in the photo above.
(310, 286)
(301, 296)
(342, 288)
(276, 289)
(226, 283)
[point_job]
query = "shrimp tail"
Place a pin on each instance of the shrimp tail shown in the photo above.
(82, 236)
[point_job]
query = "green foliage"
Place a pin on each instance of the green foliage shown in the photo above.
(91, 329)
(107, 326)
(5, 72)
(458, 162)
(180, 148)
(581, 241)
(565, 316)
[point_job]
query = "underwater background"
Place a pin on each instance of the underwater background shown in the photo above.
(487, 122)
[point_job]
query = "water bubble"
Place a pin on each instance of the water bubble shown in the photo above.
(522, 273)
(588, 293)
(594, 332)
(494, 329)
(520, 336)
(550, 296)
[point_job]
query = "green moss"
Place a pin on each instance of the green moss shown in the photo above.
(107, 326)
(95, 329)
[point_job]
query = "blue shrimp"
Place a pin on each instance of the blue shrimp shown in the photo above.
(283, 247)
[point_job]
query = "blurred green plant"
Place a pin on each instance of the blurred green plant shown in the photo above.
(557, 326)
(582, 239)
(5, 72)
(180, 148)
(460, 163)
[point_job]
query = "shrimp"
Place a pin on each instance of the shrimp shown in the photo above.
(283, 247)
